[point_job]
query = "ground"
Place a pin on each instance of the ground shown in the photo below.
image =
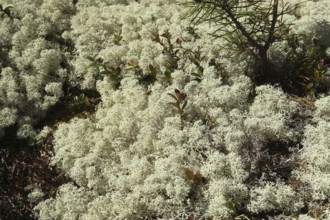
(22, 165)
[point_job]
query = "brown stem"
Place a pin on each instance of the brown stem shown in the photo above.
(270, 38)
(238, 24)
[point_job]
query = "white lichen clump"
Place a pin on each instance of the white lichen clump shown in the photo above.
(32, 67)
(134, 154)
(315, 156)
(138, 156)
(36, 195)
(270, 113)
(275, 197)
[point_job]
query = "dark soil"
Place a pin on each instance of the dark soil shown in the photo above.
(22, 165)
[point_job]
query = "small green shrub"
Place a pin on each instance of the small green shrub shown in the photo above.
(104, 69)
(305, 68)
(180, 103)
(251, 28)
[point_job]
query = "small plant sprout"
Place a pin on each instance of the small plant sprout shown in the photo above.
(145, 79)
(78, 100)
(196, 58)
(168, 47)
(314, 81)
(180, 104)
(198, 182)
(6, 11)
(306, 65)
(113, 72)
(249, 27)
(170, 51)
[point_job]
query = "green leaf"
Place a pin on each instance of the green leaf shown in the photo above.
(196, 74)
(171, 95)
(94, 65)
(168, 74)
(7, 11)
(197, 79)
(130, 67)
(310, 85)
(231, 205)
(99, 60)
(106, 72)
(152, 69)
(184, 104)
(91, 58)
(175, 104)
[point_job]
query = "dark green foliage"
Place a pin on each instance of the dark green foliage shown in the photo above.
(165, 39)
(6, 11)
(104, 69)
(305, 66)
(250, 28)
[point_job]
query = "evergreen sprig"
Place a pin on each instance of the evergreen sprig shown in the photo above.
(248, 26)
